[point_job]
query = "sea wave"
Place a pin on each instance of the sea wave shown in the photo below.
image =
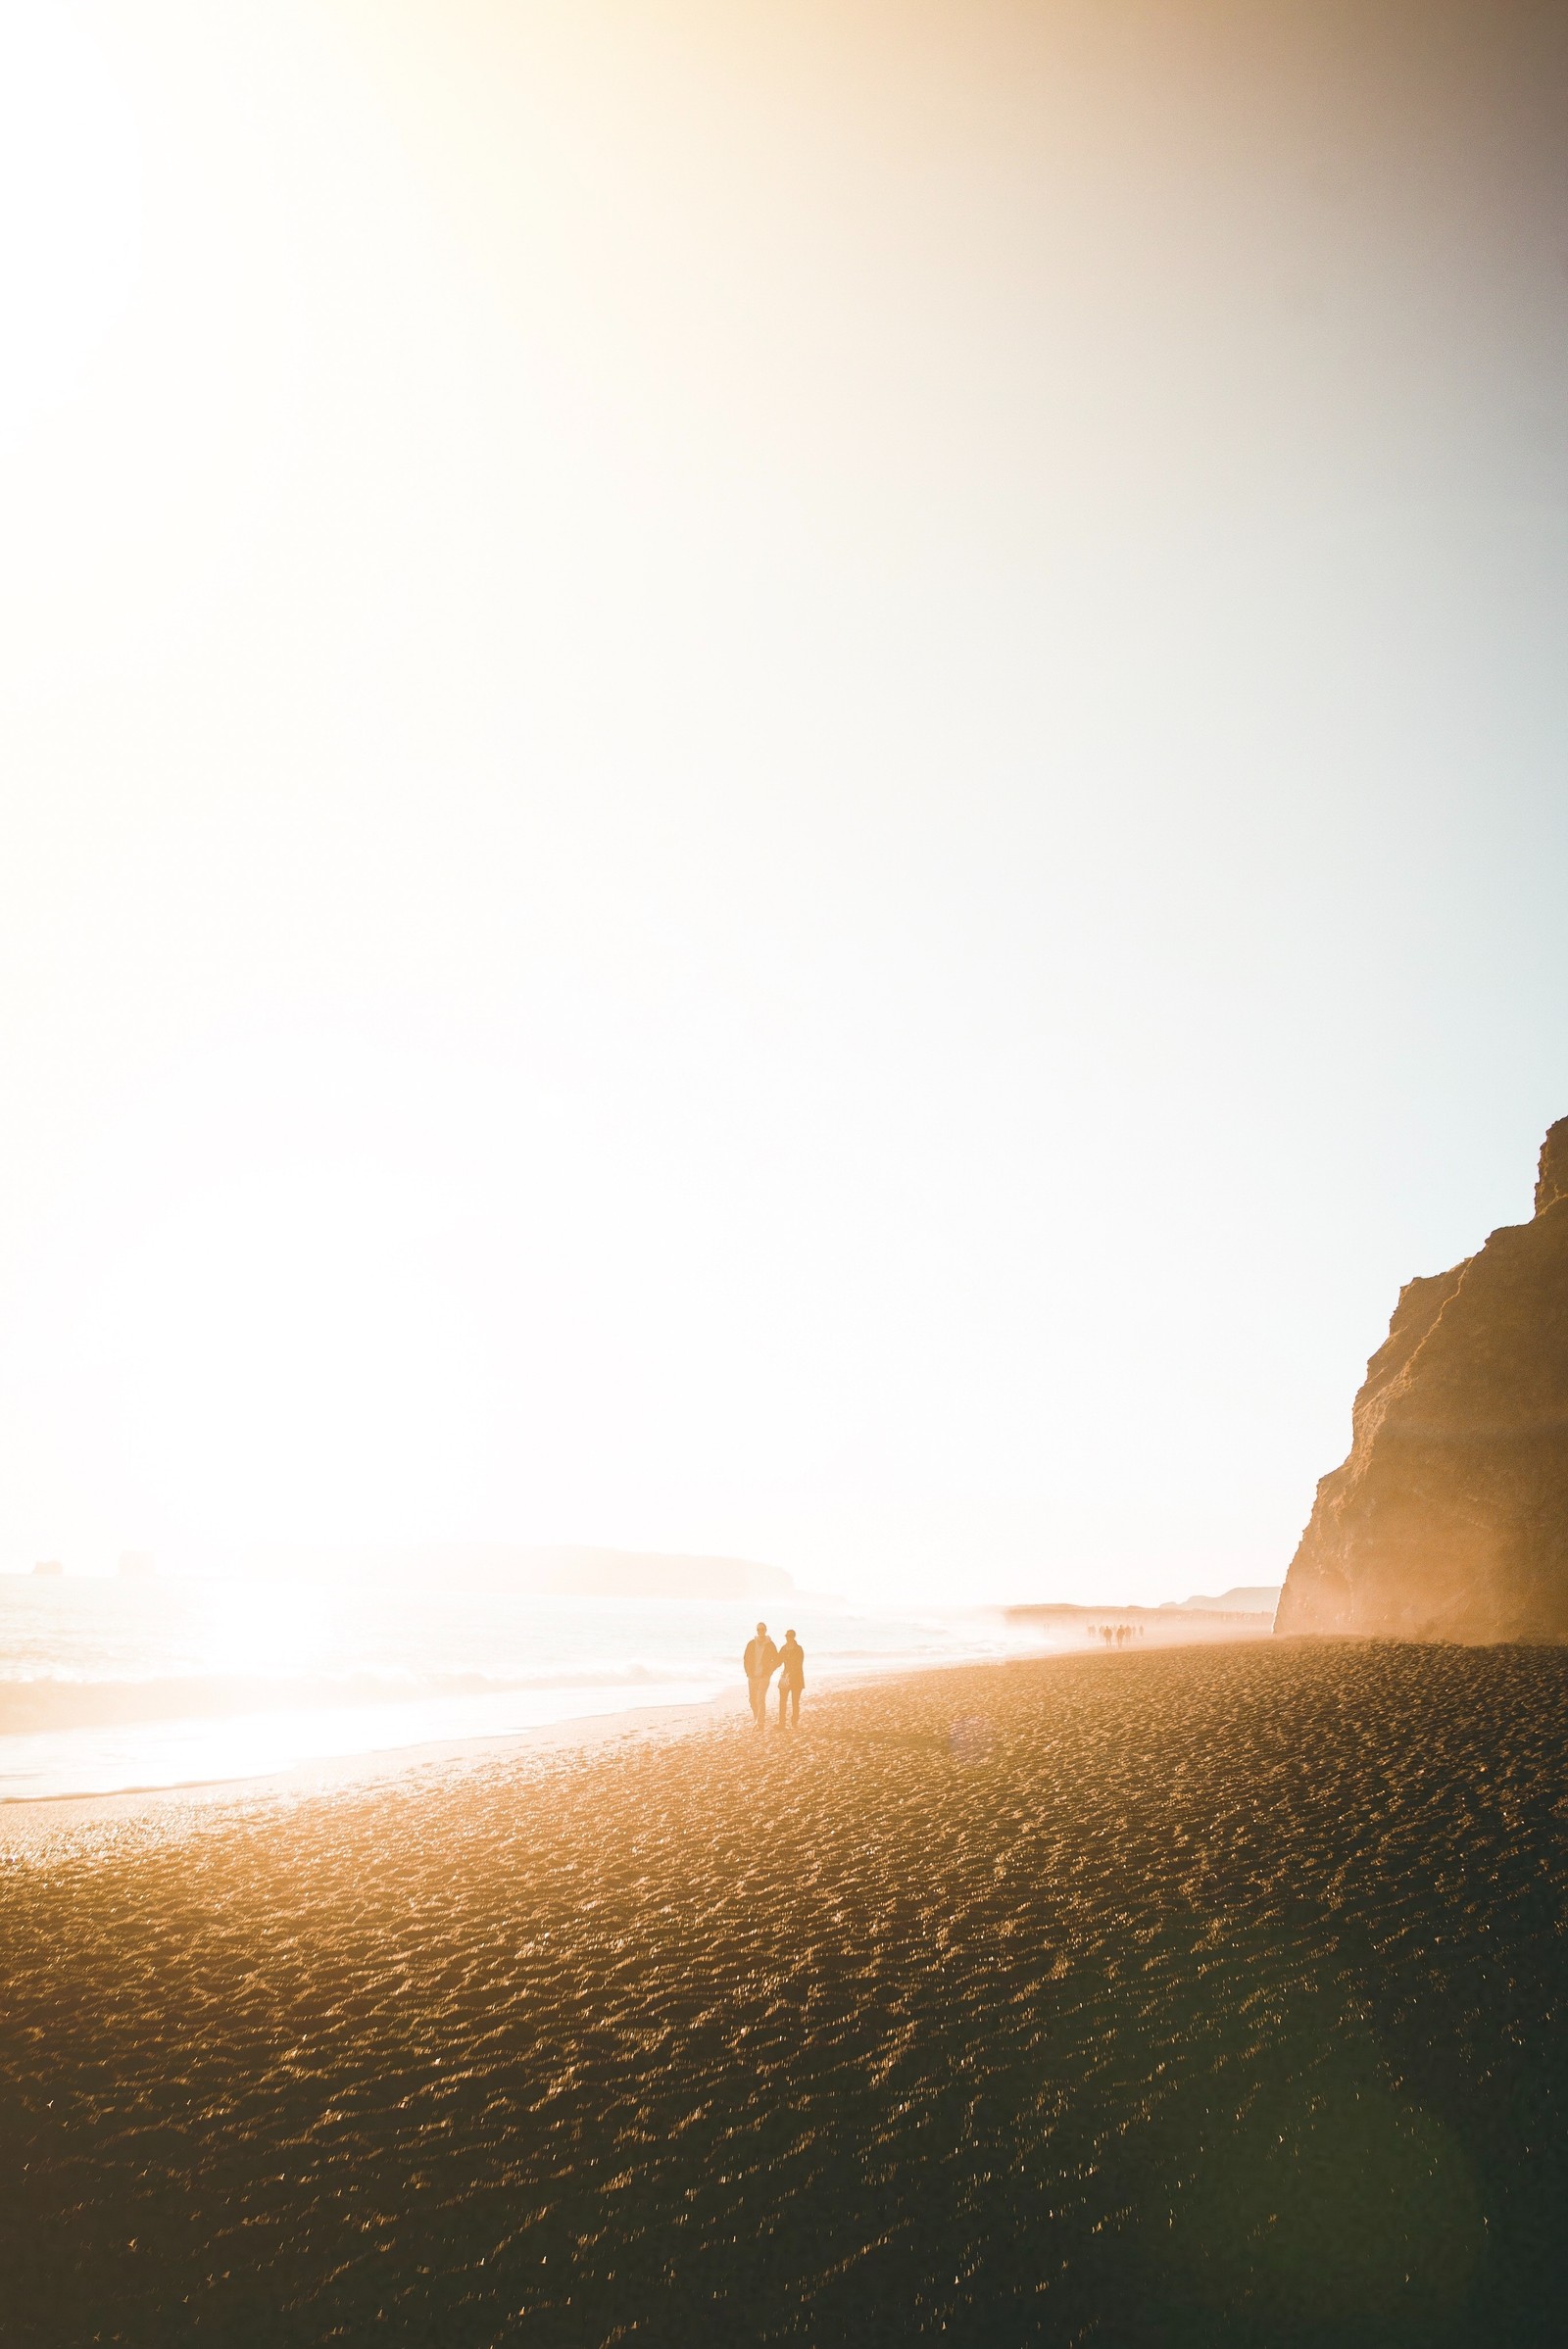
(57, 1701)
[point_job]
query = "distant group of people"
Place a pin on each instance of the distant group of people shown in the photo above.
(762, 1660)
(1115, 1635)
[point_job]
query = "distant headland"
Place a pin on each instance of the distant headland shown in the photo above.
(1450, 1518)
(566, 1572)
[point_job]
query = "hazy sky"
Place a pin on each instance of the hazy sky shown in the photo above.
(784, 777)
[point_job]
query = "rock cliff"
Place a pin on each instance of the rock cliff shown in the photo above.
(1450, 1519)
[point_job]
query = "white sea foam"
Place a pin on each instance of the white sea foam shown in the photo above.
(107, 1685)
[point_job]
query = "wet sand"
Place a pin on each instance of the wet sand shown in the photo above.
(65, 1820)
(1206, 1995)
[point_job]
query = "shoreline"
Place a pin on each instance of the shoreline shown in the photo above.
(28, 1822)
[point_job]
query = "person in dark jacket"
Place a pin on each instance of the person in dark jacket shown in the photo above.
(791, 1678)
(760, 1660)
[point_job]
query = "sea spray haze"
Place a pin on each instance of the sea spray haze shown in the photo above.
(106, 1686)
(781, 779)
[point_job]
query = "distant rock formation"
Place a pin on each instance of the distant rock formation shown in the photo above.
(1450, 1519)
(563, 1573)
(49, 1566)
(647, 1574)
(1247, 1598)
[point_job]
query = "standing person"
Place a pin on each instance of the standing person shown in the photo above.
(791, 1678)
(759, 1660)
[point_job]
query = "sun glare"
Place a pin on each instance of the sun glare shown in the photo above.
(299, 1372)
(70, 191)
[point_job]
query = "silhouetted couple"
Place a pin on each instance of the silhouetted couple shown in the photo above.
(762, 1660)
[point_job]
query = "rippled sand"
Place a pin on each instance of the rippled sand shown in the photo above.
(1189, 1997)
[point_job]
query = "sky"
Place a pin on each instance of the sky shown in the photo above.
(787, 779)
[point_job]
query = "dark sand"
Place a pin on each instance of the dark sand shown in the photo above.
(1205, 1996)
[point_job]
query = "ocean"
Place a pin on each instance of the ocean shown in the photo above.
(109, 1686)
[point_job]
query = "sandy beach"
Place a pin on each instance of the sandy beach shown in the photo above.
(1206, 1996)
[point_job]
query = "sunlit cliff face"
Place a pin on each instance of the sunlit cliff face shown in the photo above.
(1450, 1518)
(765, 769)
